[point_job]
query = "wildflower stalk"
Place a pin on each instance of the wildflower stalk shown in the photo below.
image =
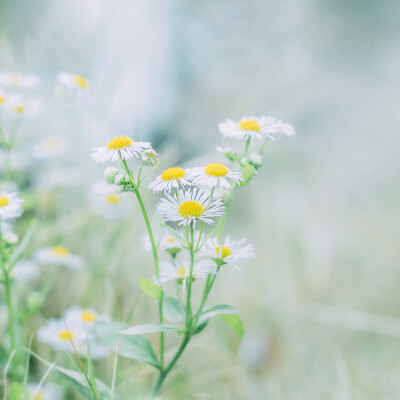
(190, 280)
(135, 190)
(7, 287)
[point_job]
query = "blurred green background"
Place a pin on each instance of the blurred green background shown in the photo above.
(321, 301)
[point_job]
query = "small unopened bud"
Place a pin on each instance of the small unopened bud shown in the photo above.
(121, 178)
(149, 157)
(256, 160)
(10, 238)
(110, 173)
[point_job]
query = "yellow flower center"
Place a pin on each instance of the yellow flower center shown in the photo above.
(53, 142)
(249, 125)
(215, 169)
(4, 201)
(66, 334)
(81, 81)
(173, 173)
(60, 251)
(19, 109)
(119, 142)
(190, 209)
(112, 198)
(181, 271)
(38, 396)
(170, 239)
(2, 99)
(223, 251)
(88, 316)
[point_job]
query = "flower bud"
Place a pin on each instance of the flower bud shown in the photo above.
(110, 173)
(256, 160)
(149, 157)
(121, 178)
(10, 238)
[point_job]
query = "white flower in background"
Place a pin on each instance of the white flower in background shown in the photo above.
(120, 147)
(194, 205)
(21, 107)
(3, 98)
(10, 205)
(181, 272)
(166, 243)
(254, 128)
(271, 126)
(25, 270)
(108, 201)
(230, 252)
(17, 81)
(50, 147)
(58, 255)
(171, 178)
(85, 317)
(73, 82)
(48, 391)
(59, 335)
(215, 175)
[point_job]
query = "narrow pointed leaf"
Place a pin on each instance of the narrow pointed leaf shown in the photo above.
(135, 347)
(235, 322)
(150, 288)
(173, 310)
(149, 328)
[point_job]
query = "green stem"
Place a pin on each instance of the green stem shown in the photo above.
(190, 279)
(246, 147)
(222, 221)
(167, 370)
(153, 249)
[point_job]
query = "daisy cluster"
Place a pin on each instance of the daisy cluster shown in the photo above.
(73, 332)
(193, 198)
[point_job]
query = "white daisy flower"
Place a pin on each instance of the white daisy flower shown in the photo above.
(15, 80)
(181, 272)
(48, 391)
(3, 98)
(73, 82)
(215, 175)
(10, 205)
(271, 126)
(171, 178)
(193, 205)
(25, 270)
(108, 201)
(59, 335)
(230, 252)
(120, 147)
(85, 317)
(254, 128)
(50, 147)
(58, 255)
(18, 106)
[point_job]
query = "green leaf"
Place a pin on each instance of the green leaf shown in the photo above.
(235, 322)
(248, 172)
(19, 250)
(216, 310)
(79, 383)
(150, 288)
(200, 327)
(150, 328)
(135, 347)
(90, 373)
(173, 310)
(222, 309)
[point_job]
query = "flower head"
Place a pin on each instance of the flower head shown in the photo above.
(215, 175)
(150, 157)
(25, 270)
(119, 148)
(254, 128)
(21, 107)
(10, 205)
(48, 391)
(84, 317)
(171, 178)
(58, 255)
(228, 252)
(50, 147)
(181, 272)
(17, 81)
(193, 205)
(73, 82)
